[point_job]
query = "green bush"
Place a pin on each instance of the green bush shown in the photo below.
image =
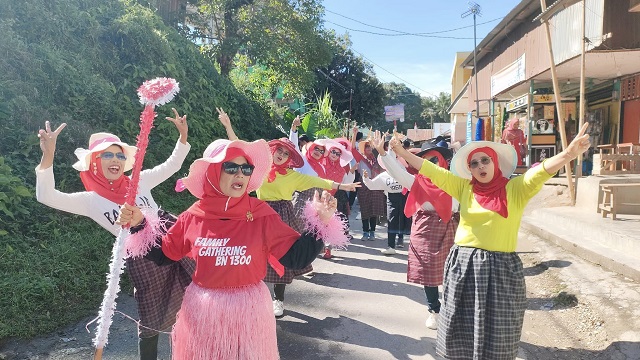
(80, 62)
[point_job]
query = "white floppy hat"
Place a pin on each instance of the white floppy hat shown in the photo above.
(507, 158)
(345, 155)
(99, 142)
(257, 151)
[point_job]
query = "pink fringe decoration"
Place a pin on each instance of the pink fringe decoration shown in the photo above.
(226, 323)
(138, 245)
(333, 233)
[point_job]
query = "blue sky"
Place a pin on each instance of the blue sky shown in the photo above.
(424, 63)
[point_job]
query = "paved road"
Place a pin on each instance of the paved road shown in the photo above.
(357, 305)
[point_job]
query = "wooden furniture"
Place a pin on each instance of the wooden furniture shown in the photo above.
(611, 200)
(629, 149)
(619, 159)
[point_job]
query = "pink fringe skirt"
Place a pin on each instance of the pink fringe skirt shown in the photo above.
(226, 323)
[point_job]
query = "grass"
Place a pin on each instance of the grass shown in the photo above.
(51, 281)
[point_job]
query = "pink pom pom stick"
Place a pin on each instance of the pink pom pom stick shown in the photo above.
(154, 92)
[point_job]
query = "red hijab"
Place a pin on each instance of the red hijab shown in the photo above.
(94, 180)
(316, 165)
(278, 169)
(423, 190)
(333, 170)
(492, 195)
(216, 205)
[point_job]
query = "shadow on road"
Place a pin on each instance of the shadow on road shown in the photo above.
(544, 266)
(357, 283)
(346, 330)
(616, 350)
(376, 264)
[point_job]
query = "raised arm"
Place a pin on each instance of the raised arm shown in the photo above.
(226, 122)
(293, 133)
(48, 140)
(394, 168)
(442, 178)
(46, 193)
(181, 124)
(579, 145)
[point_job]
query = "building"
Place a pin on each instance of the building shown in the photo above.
(515, 80)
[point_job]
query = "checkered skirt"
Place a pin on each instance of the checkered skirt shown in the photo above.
(284, 208)
(372, 202)
(158, 292)
(431, 240)
(484, 304)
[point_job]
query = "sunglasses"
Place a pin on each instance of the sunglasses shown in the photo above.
(485, 160)
(336, 152)
(282, 152)
(108, 155)
(232, 168)
(434, 160)
(318, 149)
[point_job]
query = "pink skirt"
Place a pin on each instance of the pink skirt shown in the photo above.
(225, 324)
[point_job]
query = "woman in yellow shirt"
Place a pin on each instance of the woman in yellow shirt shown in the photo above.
(484, 288)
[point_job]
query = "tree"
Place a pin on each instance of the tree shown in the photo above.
(283, 35)
(354, 88)
(435, 108)
(413, 108)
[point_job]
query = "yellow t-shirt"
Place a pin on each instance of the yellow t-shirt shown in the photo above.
(283, 187)
(482, 228)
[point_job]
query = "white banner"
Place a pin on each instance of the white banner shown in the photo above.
(509, 76)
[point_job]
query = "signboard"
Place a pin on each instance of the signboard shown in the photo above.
(540, 153)
(394, 113)
(522, 101)
(542, 99)
(469, 127)
(508, 76)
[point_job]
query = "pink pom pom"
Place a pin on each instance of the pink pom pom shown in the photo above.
(332, 233)
(158, 91)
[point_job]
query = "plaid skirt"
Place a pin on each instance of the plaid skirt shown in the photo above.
(484, 304)
(284, 208)
(158, 292)
(372, 202)
(300, 199)
(431, 240)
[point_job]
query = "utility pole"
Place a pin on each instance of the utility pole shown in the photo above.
(474, 9)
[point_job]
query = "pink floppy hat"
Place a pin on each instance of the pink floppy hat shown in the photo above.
(100, 142)
(257, 151)
(345, 155)
(294, 155)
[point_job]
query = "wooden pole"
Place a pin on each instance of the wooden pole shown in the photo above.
(582, 85)
(556, 91)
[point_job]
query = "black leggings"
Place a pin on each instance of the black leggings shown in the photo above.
(278, 291)
(432, 298)
(369, 224)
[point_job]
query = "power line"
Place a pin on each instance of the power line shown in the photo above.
(408, 33)
(405, 81)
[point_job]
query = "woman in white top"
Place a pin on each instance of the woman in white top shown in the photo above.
(435, 220)
(158, 290)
